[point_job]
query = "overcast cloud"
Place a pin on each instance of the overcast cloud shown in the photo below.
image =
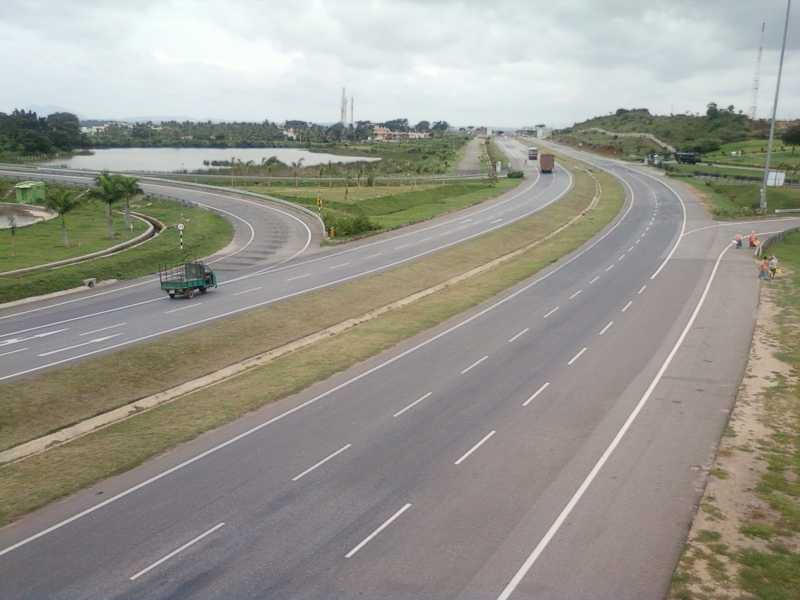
(471, 62)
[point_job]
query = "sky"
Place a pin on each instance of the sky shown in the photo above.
(470, 62)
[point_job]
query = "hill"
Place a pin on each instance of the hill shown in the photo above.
(704, 133)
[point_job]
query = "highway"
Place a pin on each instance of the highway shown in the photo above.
(62, 330)
(550, 443)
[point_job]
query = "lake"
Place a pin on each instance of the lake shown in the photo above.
(190, 159)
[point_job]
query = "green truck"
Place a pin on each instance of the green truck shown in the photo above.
(187, 279)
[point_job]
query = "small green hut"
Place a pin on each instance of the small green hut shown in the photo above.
(30, 192)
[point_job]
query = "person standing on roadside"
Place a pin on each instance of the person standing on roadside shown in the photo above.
(773, 266)
(738, 240)
(763, 268)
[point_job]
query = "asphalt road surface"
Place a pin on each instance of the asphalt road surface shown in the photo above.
(548, 444)
(43, 334)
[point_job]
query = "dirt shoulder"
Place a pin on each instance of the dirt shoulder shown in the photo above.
(745, 539)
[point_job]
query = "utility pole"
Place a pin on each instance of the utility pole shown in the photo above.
(763, 202)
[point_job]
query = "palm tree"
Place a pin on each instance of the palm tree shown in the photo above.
(63, 201)
(130, 188)
(296, 166)
(108, 191)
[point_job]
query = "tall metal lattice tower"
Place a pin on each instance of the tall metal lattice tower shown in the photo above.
(352, 102)
(757, 76)
(343, 113)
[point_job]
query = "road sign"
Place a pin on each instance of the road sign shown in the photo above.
(776, 178)
(180, 226)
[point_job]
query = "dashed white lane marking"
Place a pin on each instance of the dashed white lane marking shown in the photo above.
(475, 364)
(620, 258)
(576, 497)
(627, 306)
(466, 221)
(518, 335)
(177, 551)
(551, 312)
(536, 393)
(339, 266)
(36, 336)
(401, 246)
(576, 294)
(187, 307)
(322, 462)
(374, 255)
(631, 248)
(606, 328)
(412, 405)
(593, 280)
(641, 289)
(249, 290)
(577, 356)
(299, 277)
(475, 447)
(114, 326)
(636, 243)
(369, 538)
(496, 221)
(94, 341)
(13, 351)
(609, 267)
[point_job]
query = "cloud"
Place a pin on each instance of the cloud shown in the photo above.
(466, 61)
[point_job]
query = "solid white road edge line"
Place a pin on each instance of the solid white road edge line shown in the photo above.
(573, 501)
(412, 405)
(177, 551)
(475, 447)
(322, 462)
(386, 523)
(536, 393)
(214, 449)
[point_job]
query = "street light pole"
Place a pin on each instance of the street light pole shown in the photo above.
(763, 202)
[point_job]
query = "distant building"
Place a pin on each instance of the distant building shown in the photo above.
(384, 134)
(290, 133)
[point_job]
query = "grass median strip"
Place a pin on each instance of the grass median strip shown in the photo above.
(38, 405)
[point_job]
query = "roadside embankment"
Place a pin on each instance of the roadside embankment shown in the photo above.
(745, 539)
(56, 399)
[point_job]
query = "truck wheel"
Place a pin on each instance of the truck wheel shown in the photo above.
(171, 295)
(203, 290)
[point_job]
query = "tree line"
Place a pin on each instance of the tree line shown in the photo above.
(24, 132)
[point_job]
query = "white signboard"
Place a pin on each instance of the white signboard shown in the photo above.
(776, 178)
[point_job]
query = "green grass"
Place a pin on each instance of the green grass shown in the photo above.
(53, 399)
(754, 153)
(733, 201)
(43, 242)
(623, 147)
(206, 232)
(388, 211)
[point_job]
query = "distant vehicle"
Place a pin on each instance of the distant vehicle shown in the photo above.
(547, 163)
(689, 158)
(187, 279)
(654, 160)
(533, 153)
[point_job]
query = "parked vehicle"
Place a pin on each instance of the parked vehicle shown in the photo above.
(689, 158)
(547, 163)
(187, 279)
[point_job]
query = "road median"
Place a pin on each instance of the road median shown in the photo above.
(39, 407)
